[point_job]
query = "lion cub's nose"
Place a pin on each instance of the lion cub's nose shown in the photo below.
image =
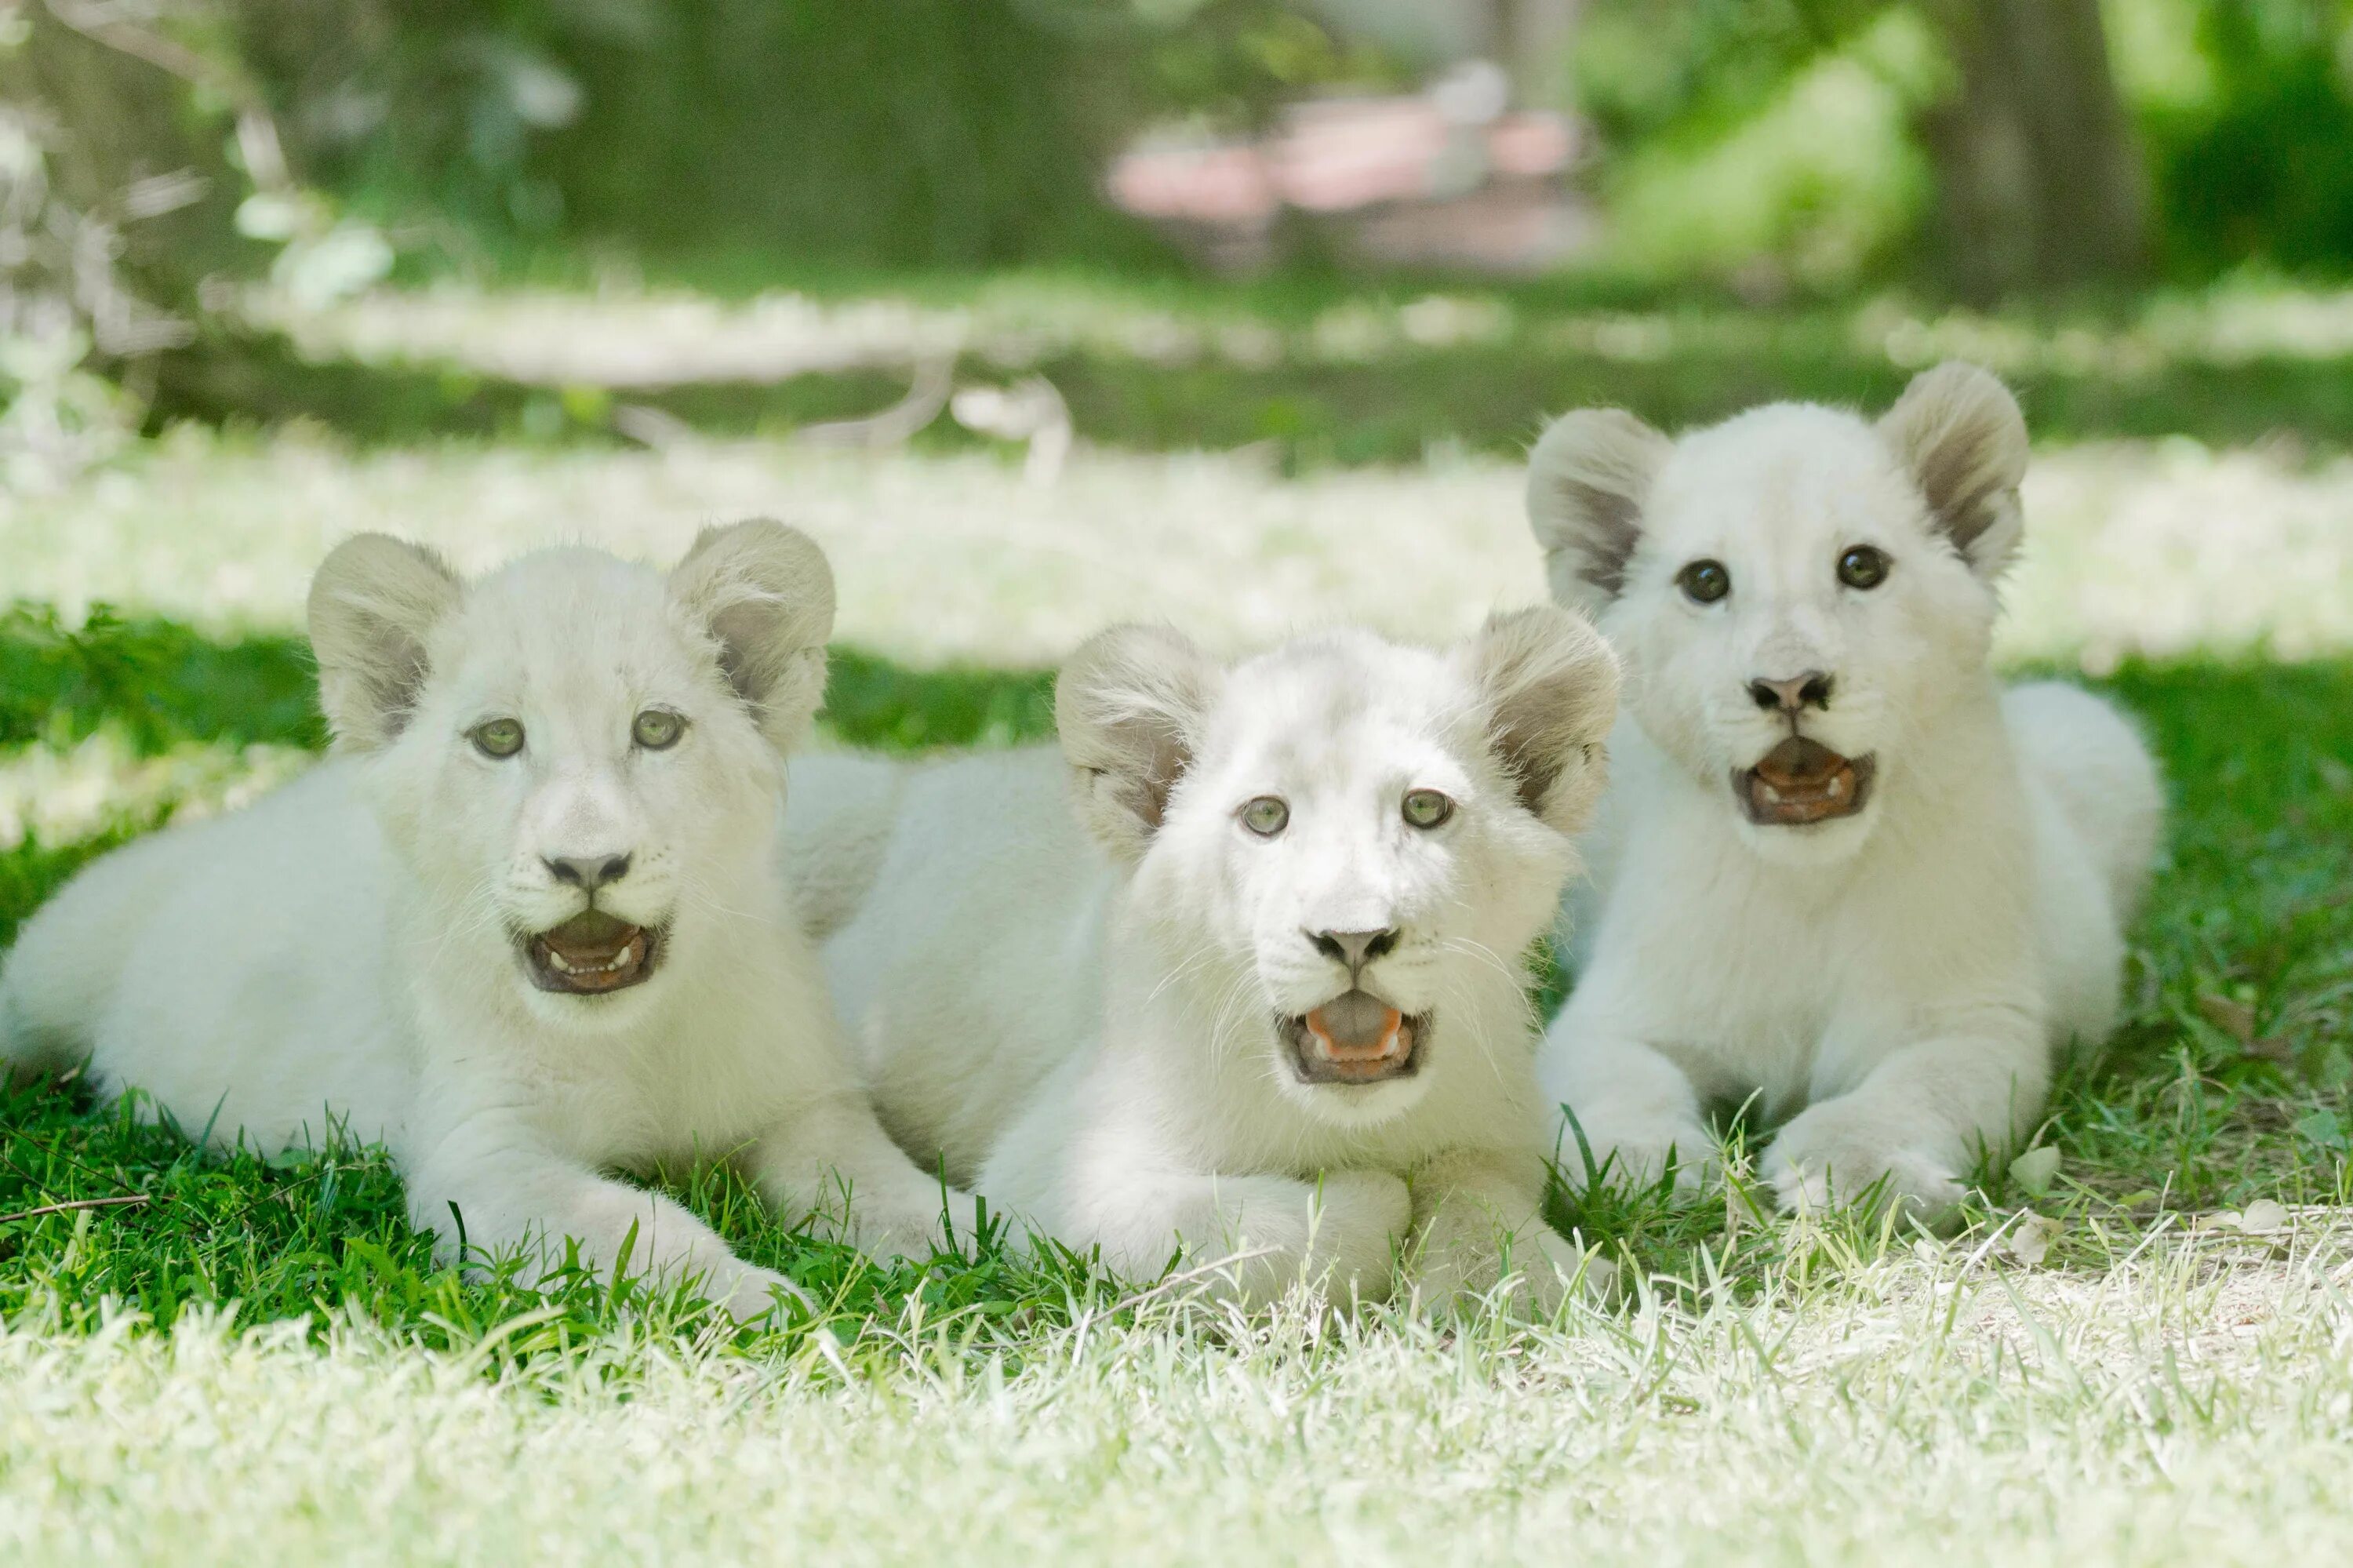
(587, 872)
(1354, 948)
(1794, 696)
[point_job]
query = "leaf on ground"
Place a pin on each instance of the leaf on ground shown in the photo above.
(2321, 1127)
(2031, 1238)
(2233, 1017)
(2264, 1214)
(2034, 1170)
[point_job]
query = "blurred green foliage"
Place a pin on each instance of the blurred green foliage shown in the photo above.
(1728, 133)
(955, 131)
(1785, 133)
(887, 132)
(2250, 136)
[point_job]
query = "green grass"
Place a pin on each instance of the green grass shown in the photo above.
(2227, 1083)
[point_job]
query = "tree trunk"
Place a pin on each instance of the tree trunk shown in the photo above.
(2039, 179)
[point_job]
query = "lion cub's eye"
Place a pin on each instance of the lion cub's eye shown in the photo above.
(658, 729)
(1703, 582)
(1427, 808)
(498, 737)
(1266, 816)
(1862, 568)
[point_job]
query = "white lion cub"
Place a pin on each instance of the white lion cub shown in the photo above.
(1840, 869)
(526, 928)
(1237, 973)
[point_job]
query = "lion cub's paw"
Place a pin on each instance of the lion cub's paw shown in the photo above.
(1833, 1156)
(1552, 1268)
(748, 1295)
(1360, 1220)
(1634, 1156)
(1460, 1263)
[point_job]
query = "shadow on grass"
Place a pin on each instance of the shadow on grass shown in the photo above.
(1394, 407)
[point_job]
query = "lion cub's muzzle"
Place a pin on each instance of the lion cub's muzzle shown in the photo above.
(592, 954)
(1802, 782)
(1355, 1038)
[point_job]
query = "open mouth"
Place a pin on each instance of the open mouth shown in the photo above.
(1801, 781)
(592, 954)
(1355, 1038)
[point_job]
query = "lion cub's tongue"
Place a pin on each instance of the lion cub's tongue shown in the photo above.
(1799, 763)
(1355, 1027)
(591, 938)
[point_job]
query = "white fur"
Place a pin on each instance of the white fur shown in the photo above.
(1895, 983)
(1082, 1021)
(346, 950)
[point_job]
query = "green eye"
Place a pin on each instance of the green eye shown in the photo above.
(498, 737)
(1705, 582)
(1266, 816)
(1862, 568)
(658, 729)
(1427, 808)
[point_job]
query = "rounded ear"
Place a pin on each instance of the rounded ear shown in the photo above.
(1959, 433)
(1588, 478)
(1549, 684)
(764, 594)
(373, 600)
(1129, 706)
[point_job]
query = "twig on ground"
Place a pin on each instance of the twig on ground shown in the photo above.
(926, 395)
(129, 1201)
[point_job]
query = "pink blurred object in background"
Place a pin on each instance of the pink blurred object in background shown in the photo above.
(1423, 179)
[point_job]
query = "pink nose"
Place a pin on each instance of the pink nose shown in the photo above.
(1793, 695)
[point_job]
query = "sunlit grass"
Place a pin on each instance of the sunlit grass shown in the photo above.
(2160, 549)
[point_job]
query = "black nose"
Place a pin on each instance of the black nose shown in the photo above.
(1354, 948)
(1794, 696)
(587, 872)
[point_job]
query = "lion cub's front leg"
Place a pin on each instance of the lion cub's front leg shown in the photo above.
(1478, 1218)
(1908, 1133)
(1636, 1114)
(834, 1167)
(1338, 1235)
(493, 1180)
(1252, 1238)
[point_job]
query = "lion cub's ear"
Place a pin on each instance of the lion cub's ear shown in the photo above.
(1129, 706)
(1550, 686)
(1588, 478)
(373, 601)
(764, 593)
(1959, 432)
